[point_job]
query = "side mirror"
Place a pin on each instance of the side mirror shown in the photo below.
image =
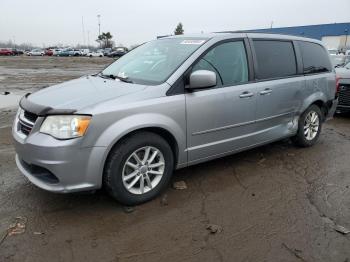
(202, 79)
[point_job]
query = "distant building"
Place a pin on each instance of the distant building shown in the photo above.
(334, 36)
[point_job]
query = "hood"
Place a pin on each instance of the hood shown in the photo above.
(82, 92)
(343, 72)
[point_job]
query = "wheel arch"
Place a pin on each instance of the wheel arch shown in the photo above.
(167, 135)
(323, 106)
(318, 99)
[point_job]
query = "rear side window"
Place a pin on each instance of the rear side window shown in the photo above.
(315, 58)
(228, 61)
(275, 59)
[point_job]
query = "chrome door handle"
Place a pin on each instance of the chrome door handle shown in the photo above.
(266, 92)
(246, 95)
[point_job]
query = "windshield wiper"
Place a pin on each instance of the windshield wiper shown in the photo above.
(123, 79)
(106, 76)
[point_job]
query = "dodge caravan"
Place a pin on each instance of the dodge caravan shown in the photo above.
(171, 103)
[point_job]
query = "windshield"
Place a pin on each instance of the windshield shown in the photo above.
(153, 63)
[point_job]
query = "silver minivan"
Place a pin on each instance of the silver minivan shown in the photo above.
(169, 104)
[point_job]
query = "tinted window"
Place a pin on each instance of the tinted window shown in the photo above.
(315, 58)
(275, 59)
(228, 61)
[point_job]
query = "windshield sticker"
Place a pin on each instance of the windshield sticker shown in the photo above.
(192, 42)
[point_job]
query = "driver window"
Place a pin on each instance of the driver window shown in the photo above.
(228, 61)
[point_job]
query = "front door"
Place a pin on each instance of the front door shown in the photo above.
(221, 119)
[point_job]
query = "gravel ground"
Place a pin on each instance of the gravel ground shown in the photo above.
(273, 203)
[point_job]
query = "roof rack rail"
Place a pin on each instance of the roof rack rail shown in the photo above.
(246, 31)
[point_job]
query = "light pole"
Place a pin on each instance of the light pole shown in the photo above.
(346, 38)
(83, 28)
(99, 26)
(88, 38)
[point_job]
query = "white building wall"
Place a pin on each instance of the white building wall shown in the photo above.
(336, 42)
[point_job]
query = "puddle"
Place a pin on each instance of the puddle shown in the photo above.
(8, 101)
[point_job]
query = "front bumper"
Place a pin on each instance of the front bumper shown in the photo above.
(58, 165)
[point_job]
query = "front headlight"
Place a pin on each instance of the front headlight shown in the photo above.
(65, 126)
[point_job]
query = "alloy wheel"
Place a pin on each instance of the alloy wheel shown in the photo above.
(311, 125)
(143, 170)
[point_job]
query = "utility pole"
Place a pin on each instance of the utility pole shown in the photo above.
(346, 38)
(82, 26)
(88, 38)
(99, 26)
(271, 24)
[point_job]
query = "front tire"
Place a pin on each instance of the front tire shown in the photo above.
(309, 127)
(138, 168)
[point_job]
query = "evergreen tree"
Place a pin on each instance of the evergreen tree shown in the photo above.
(179, 29)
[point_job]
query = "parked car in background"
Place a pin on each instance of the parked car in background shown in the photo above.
(169, 104)
(6, 51)
(97, 53)
(107, 51)
(339, 60)
(343, 87)
(64, 52)
(55, 51)
(49, 52)
(84, 52)
(119, 52)
(69, 52)
(36, 52)
(333, 51)
(75, 52)
(17, 51)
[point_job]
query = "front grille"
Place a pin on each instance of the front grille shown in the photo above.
(24, 128)
(30, 116)
(26, 122)
(344, 95)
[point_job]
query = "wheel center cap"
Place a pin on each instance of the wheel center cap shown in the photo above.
(143, 169)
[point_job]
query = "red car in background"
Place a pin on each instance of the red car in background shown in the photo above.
(5, 51)
(48, 52)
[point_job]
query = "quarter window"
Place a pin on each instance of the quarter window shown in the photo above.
(275, 59)
(315, 58)
(228, 61)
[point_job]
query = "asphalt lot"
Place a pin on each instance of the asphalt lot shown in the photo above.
(273, 203)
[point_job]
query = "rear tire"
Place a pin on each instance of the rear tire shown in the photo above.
(133, 181)
(309, 127)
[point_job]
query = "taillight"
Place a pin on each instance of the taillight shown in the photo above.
(337, 86)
